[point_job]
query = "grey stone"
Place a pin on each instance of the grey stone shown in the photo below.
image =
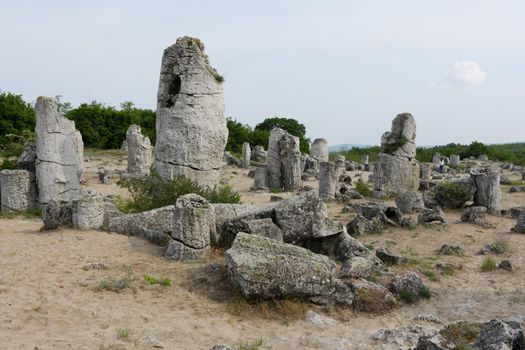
(88, 211)
(389, 258)
(56, 214)
(221, 347)
(379, 212)
(190, 123)
(268, 269)
(284, 161)
(27, 159)
(500, 335)
(454, 160)
(393, 175)
(259, 154)
(483, 157)
(139, 224)
(424, 171)
(18, 191)
(328, 173)
(357, 267)
(229, 159)
(408, 202)
(302, 217)
(516, 189)
(371, 297)
(505, 265)
(246, 155)
(428, 216)
(104, 176)
(319, 150)
(448, 249)
(361, 225)
(516, 211)
(401, 140)
(436, 158)
(140, 157)
(488, 190)
(520, 225)
(193, 222)
(431, 342)
(475, 215)
(455, 193)
(260, 181)
(409, 282)
(59, 150)
(264, 227)
(178, 251)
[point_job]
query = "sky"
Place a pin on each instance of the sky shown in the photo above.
(344, 69)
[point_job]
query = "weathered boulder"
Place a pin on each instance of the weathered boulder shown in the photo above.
(516, 189)
(401, 140)
(56, 214)
(520, 225)
(140, 155)
(408, 202)
(154, 225)
(319, 150)
(409, 282)
(475, 215)
(265, 268)
(371, 297)
(379, 213)
(260, 180)
(454, 160)
(328, 176)
(431, 215)
(254, 224)
(357, 267)
(284, 161)
(393, 175)
(193, 223)
(500, 335)
(88, 211)
(388, 257)
(488, 190)
(18, 191)
(425, 170)
(190, 123)
(505, 264)
(483, 158)
(59, 151)
(302, 217)
(246, 155)
(361, 225)
(229, 159)
(448, 249)
(104, 176)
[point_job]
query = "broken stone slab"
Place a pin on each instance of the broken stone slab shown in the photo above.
(284, 161)
(379, 213)
(268, 269)
(488, 190)
(361, 225)
(18, 191)
(139, 152)
(59, 151)
(302, 217)
(262, 227)
(193, 222)
(408, 202)
(159, 220)
(229, 159)
(246, 155)
(190, 121)
(178, 251)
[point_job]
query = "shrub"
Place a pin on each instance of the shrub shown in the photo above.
(163, 281)
(122, 333)
(153, 191)
(488, 264)
(117, 284)
(452, 195)
(363, 188)
(499, 246)
(431, 275)
(425, 292)
(407, 296)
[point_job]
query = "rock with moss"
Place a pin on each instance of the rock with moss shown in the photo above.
(474, 215)
(401, 139)
(429, 216)
(499, 334)
(359, 267)
(190, 123)
(409, 284)
(268, 269)
(388, 257)
(27, 159)
(57, 213)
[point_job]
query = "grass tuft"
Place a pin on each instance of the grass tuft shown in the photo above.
(488, 264)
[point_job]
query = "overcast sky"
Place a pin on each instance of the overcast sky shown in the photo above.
(343, 68)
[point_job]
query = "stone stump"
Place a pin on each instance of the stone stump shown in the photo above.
(193, 224)
(261, 178)
(139, 152)
(319, 150)
(454, 160)
(88, 211)
(488, 191)
(17, 191)
(284, 161)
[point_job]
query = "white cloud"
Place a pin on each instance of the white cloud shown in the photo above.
(467, 73)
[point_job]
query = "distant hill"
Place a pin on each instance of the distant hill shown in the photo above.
(345, 147)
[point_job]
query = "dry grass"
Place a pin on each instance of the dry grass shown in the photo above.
(489, 264)
(461, 333)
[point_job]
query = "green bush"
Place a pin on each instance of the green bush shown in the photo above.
(163, 281)
(363, 188)
(154, 191)
(407, 296)
(452, 195)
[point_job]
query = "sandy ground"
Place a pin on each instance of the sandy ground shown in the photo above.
(48, 301)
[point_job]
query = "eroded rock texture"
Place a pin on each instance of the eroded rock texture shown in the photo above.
(284, 161)
(59, 151)
(319, 150)
(139, 152)
(488, 190)
(397, 170)
(17, 190)
(191, 125)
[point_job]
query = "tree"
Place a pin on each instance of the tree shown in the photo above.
(291, 125)
(63, 107)
(237, 134)
(16, 116)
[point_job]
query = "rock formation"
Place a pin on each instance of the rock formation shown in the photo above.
(397, 170)
(319, 150)
(284, 161)
(191, 125)
(59, 151)
(17, 191)
(246, 155)
(259, 154)
(139, 152)
(488, 190)
(328, 177)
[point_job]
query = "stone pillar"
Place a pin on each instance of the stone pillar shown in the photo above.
(488, 191)
(483, 157)
(260, 179)
(319, 150)
(454, 160)
(58, 150)
(193, 224)
(328, 176)
(246, 155)
(284, 161)
(17, 191)
(425, 170)
(139, 152)
(436, 158)
(191, 125)
(364, 159)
